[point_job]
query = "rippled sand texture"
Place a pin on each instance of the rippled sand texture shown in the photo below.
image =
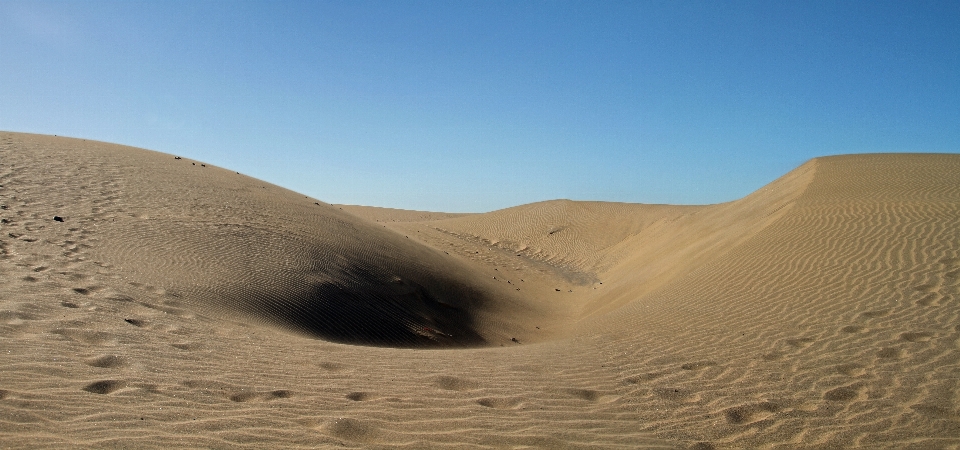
(181, 304)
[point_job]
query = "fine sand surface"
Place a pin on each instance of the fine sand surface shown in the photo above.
(178, 304)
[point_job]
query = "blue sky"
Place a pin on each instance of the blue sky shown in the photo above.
(481, 105)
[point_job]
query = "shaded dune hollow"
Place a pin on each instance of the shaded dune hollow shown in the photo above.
(352, 283)
(218, 243)
(211, 240)
(381, 312)
(367, 308)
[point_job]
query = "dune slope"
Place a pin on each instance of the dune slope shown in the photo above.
(228, 244)
(177, 303)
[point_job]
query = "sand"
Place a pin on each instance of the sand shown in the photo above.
(178, 304)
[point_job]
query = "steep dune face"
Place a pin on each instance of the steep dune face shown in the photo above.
(675, 247)
(826, 315)
(233, 246)
(631, 249)
(860, 222)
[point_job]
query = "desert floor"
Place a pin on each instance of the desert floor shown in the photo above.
(153, 301)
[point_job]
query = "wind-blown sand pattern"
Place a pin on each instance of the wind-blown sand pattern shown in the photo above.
(180, 304)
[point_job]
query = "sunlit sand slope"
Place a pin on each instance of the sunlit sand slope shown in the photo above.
(820, 310)
(606, 254)
(836, 325)
(180, 304)
(215, 240)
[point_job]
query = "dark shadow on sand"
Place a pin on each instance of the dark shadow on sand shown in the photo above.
(366, 308)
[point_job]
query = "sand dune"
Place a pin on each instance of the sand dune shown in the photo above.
(182, 304)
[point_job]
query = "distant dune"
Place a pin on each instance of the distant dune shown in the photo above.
(154, 301)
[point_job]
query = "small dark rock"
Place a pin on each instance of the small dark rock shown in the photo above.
(177, 157)
(58, 218)
(515, 340)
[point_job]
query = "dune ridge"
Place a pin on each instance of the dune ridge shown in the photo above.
(181, 303)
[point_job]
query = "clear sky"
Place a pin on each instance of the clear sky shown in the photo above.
(481, 105)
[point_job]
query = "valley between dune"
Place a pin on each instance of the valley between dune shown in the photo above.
(148, 300)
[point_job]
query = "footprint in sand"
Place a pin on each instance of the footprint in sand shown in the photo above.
(352, 429)
(876, 313)
(698, 365)
(104, 386)
(107, 361)
(928, 299)
(942, 412)
(450, 383)
(122, 298)
(279, 393)
(842, 394)
(188, 346)
(499, 402)
(243, 397)
(850, 369)
(589, 395)
(361, 396)
(918, 336)
(799, 342)
(637, 379)
(773, 356)
(889, 353)
(332, 366)
(750, 413)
